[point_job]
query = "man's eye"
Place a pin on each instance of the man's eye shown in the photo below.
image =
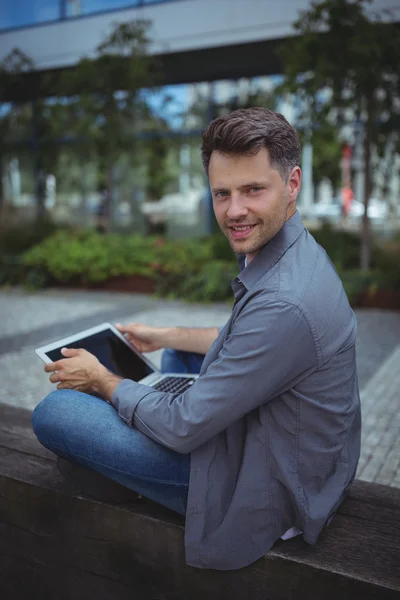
(221, 194)
(255, 189)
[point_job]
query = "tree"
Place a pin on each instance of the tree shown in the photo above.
(327, 154)
(30, 125)
(12, 70)
(159, 176)
(355, 59)
(103, 104)
(319, 127)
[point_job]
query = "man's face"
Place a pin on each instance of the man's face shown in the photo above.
(251, 201)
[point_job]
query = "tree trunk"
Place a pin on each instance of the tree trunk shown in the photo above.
(40, 191)
(110, 208)
(39, 174)
(1, 186)
(365, 251)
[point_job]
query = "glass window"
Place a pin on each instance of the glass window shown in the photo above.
(182, 106)
(85, 7)
(168, 103)
(15, 122)
(16, 13)
(154, 1)
(229, 95)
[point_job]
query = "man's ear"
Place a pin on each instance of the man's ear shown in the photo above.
(294, 184)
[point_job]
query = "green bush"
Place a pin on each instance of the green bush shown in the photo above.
(196, 270)
(387, 263)
(355, 282)
(90, 257)
(178, 257)
(220, 247)
(342, 247)
(12, 270)
(213, 282)
(209, 283)
(16, 240)
(181, 269)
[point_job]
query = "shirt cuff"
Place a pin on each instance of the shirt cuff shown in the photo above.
(126, 397)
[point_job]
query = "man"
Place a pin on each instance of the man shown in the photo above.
(266, 442)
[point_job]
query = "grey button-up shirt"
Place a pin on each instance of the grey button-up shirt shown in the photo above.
(273, 421)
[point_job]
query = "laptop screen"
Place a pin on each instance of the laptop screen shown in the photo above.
(111, 352)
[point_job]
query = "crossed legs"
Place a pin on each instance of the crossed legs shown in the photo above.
(85, 430)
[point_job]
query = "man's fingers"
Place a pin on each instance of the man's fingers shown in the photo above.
(63, 386)
(71, 352)
(68, 353)
(54, 377)
(129, 334)
(52, 367)
(125, 328)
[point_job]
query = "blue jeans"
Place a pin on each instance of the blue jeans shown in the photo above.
(88, 431)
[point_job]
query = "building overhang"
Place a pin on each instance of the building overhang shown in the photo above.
(208, 64)
(223, 62)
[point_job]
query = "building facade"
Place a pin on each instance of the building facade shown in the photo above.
(216, 54)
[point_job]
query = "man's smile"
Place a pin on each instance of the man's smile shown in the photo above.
(240, 231)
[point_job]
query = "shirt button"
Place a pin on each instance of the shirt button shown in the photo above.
(198, 473)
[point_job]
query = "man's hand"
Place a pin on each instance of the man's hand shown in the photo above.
(147, 338)
(144, 337)
(81, 371)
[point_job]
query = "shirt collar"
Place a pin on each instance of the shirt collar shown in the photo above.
(269, 254)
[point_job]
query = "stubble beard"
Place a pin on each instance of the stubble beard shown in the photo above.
(263, 233)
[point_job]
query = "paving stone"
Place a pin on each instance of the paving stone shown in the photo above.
(373, 467)
(378, 334)
(24, 382)
(23, 312)
(380, 448)
(390, 438)
(29, 320)
(389, 468)
(372, 439)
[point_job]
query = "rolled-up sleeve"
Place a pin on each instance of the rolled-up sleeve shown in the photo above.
(269, 349)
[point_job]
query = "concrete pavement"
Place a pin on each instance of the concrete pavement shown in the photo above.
(29, 320)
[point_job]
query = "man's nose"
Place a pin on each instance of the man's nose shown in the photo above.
(237, 208)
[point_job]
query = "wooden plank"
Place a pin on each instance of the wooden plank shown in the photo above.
(75, 539)
(363, 540)
(13, 415)
(364, 492)
(55, 540)
(73, 542)
(16, 432)
(38, 475)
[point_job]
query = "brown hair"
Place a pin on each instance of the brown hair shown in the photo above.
(246, 131)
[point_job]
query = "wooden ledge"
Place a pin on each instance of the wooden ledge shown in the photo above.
(56, 544)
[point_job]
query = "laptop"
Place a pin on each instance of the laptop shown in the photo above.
(119, 356)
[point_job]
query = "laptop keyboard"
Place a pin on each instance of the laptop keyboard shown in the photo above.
(174, 385)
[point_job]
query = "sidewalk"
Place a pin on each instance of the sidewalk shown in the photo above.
(29, 320)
